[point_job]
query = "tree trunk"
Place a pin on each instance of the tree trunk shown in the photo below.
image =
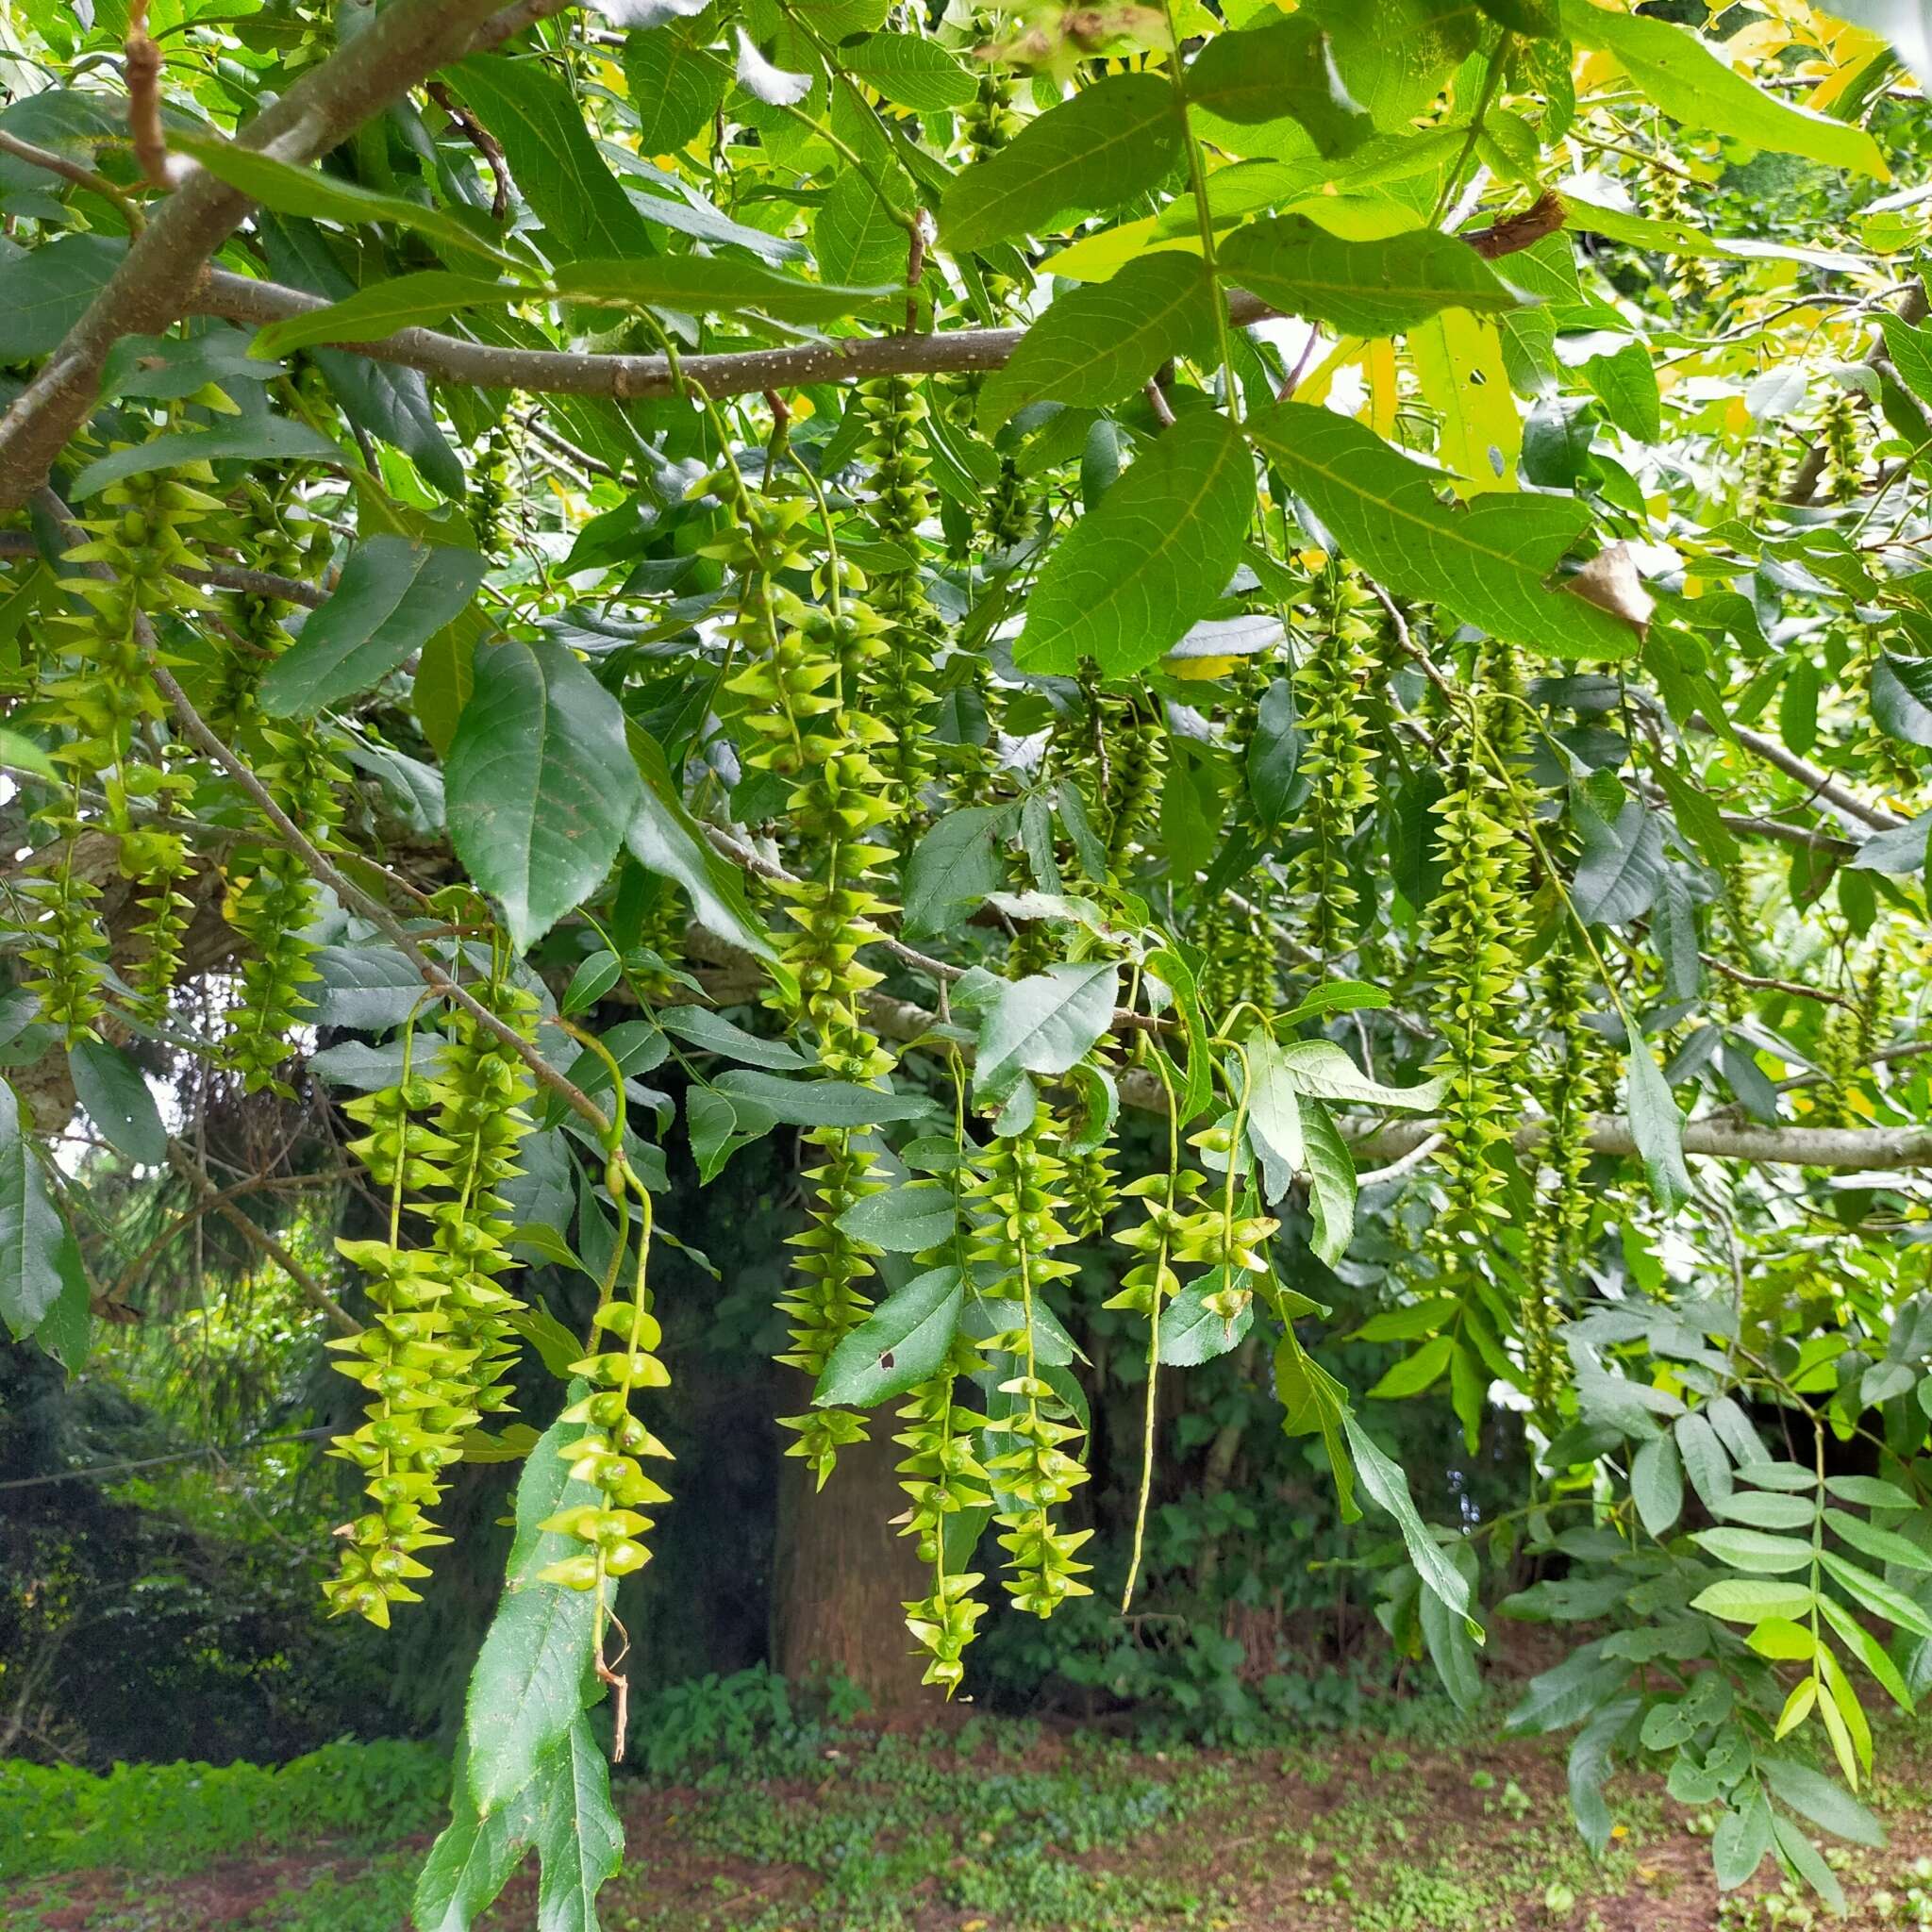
(845, 1574)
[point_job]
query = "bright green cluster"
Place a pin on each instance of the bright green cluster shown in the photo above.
(102, 691)
(943, 1476)
(1553, 1244)
(1019, 1205)
(1477, 939)
(157, 860)
(1006, 518)
(607, 1454)
(435, 1359)
(272, 906)
(489, 488)
(1340, 648)
(1136, 749)
(799, 697)
(899, 680)
(1843, 458)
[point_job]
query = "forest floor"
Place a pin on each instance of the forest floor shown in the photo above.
(1010, 1828)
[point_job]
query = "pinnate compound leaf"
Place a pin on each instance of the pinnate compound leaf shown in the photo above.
(393, 595)
(1103, 146)
(897, 1346)
(1101, 342)
(1130, 578)
(526, 1690)
(1372, 288)
(1284, 68)
(540, 783)
(1675, 68)
(1486, 563)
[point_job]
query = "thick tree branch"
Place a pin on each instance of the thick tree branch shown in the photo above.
(1814, 778)
(401, 46)
(641, 378)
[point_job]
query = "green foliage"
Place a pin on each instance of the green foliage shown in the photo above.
(1123, 655)
(169, 1819)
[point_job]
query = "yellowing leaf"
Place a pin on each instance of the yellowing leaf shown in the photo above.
(1458, 363)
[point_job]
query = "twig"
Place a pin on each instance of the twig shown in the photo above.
(72, 171)
(142, 69)
(258, 1237)
(480, 137)
(1158, 402)
(1404, 1164)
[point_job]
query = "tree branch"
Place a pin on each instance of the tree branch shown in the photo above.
(641, 378)
(223, 576)
(152, 288)
(1814, 778)
(72, 171)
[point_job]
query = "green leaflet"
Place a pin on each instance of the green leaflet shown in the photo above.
(676, 82)
(1656, 1123)
(952, 869)
(431, 295)
(1131, 577)
(392, 597)
(33, 1236)
(1376, 288)
(664, 839)
(45, 291)
(1102, 340)
(261, 439)
(527, 1692)
(110, 1087)
(1284, 68)
(540, 782)
(552, 157)
(291, 191)
(1045, 1025)
(1385, 1482)
(563, 1810)
(856, 236)
(1486, 563)
(910, 72)
(898, 1345)
(903, 1220)
(1101, 147)
(1691, 85)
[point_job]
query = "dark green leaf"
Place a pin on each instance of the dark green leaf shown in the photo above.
(676, 84)
(900, 1344)
(1045, 1023)
(392, 597)
(1902, 697)
(1104, 146)
(1375, 288)
(33, 1237)
(1589, 1770)
(1816, 1797)
(1622, 867)
(1281, 68)
(294, 190)
(110, 1087)
(1133, 575)
(1656, 1483)
(540, 783)
(553, 159)
(952, 869)
(1488, 562)
(45, 290)
(1386, 1483)
(1101, 342)
(1740, 1841)
(1656, 1123)
(419, 300)
(526, 1690)
(903, 1220)
(1192, 1333)
(261, 439)
(856, 236)
(715, 1034)
(818, 1103)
